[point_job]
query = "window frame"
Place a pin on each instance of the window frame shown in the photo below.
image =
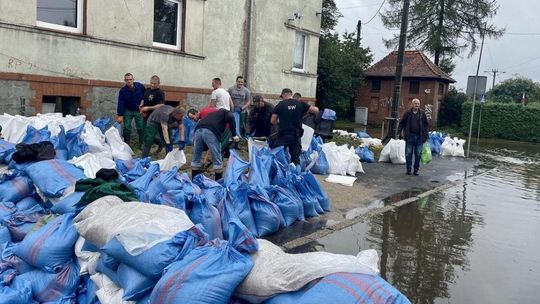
(180, 16)
(411, 85)
(304, 55)
(57, 27)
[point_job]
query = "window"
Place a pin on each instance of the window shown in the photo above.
(414, 87)
(63, 15)
(167, 23)
(375, 86)
(66, 105)
(300, 42)
(441, 89)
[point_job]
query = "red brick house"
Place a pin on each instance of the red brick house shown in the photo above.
(422, 79)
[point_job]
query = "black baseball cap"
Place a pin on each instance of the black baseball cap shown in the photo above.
(286, 90)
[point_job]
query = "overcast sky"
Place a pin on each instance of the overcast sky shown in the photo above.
(517, 53)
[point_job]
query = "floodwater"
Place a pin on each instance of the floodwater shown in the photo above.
(477, 242)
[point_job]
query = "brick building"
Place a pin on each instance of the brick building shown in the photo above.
(422, 79)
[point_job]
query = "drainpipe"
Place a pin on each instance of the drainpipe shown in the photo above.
(248, 50)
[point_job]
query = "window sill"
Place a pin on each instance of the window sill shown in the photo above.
(59, 31)
(300, 73)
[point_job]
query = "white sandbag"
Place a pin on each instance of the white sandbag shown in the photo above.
(92, 163)
(275, 271)
(458, 150)
(448, 147)
(14, 128)
(88, 260)
(354, 164)
(340, 179)
(120, 150)
(336, 164)
(108, 292)
(371, 141)
(137, 226)
(175, 158)
(384, 157)
(306, 137)
(397, 151)
(95, 140)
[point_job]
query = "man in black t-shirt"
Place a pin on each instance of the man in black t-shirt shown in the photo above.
(153, 98)
(209, 132)
(259, 117)
(288, 116)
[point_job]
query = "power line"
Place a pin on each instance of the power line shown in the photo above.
(358, 6)
(376, 12)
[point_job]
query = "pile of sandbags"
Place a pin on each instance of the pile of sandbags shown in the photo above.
(393, 152)
(342, 160)
(453, 147)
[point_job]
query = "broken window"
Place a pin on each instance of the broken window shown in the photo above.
(168, 23)
(63, 15)
(299, 61)
(67, 105)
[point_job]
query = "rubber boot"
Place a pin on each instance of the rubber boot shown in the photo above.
(218, 175)
(145, 151)
(194, 173)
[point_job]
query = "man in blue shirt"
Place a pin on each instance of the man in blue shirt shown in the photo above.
(129, 99)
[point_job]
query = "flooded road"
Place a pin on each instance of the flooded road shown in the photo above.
(477, 242)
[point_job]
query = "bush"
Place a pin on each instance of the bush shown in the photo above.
(506, 121)
(450, 110)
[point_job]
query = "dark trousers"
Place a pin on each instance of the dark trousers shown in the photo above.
(413, 145)
(292, 144)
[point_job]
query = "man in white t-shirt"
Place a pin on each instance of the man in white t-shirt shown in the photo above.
(220, 97)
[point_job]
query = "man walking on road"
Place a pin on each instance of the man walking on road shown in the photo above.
(288, 115)
(129, 99)
(414, 125)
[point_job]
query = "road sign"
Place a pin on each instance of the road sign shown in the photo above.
(481, 82)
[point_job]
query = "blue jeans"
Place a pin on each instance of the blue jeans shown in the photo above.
(413, 145)
(202, 138)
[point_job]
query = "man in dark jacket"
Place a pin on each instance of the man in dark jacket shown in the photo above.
(259, 117)
(129, 99)
(288, 116)
(414, 125)
(209, 132)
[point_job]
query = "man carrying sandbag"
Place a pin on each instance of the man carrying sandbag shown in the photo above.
(162, 121)
(209, 132)
(288, 116)
(414, 125)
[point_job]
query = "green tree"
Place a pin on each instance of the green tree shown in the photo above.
(451, 108)
(341, 64)
(511, 90)
(444, 28)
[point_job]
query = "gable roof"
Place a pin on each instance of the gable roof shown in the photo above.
(416, 65)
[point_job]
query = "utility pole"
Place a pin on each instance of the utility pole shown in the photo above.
(494, 72)
(474, 95)
(399, 69)
(358, 32)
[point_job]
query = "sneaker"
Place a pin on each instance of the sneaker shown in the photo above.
(415, 172)
(408, 172)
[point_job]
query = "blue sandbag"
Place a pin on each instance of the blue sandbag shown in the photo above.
(234, 174)
(123, 166)
(172, 198)
(266, 214)
(4, 235)
(153, 261)
(313, 184)
(68, 204)
(20, 222)
(10, 262)
(212, 191)
(6, 148)
(108, 265)
(208, 216)
(321, 164)
(365, 154)
(329, 114)
(20, 291)
(238, 201)
(238, 234)
(34, 135)
(53, 286)
(165, 181)
(134, 283)
(208, 274)
(15, 187)
(86, 291)
(344, 288)
(27, 203)
(140, 185)
(261, 162)
(51, 245)
(290, 209)
(309, 201)
(6, 210)
(53, 176)
(74, 144)
(190, 189)
(361, 134)
(102, 123)
(189, 130)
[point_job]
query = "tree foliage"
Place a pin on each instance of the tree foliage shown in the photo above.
(451, 107)
(511, 91)
(341, 64)
(444, 27)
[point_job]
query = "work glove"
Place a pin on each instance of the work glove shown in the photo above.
(168, 148)
(181, 145)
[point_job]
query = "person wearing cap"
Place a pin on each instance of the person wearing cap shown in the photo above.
(259, 117)
(288, 116)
